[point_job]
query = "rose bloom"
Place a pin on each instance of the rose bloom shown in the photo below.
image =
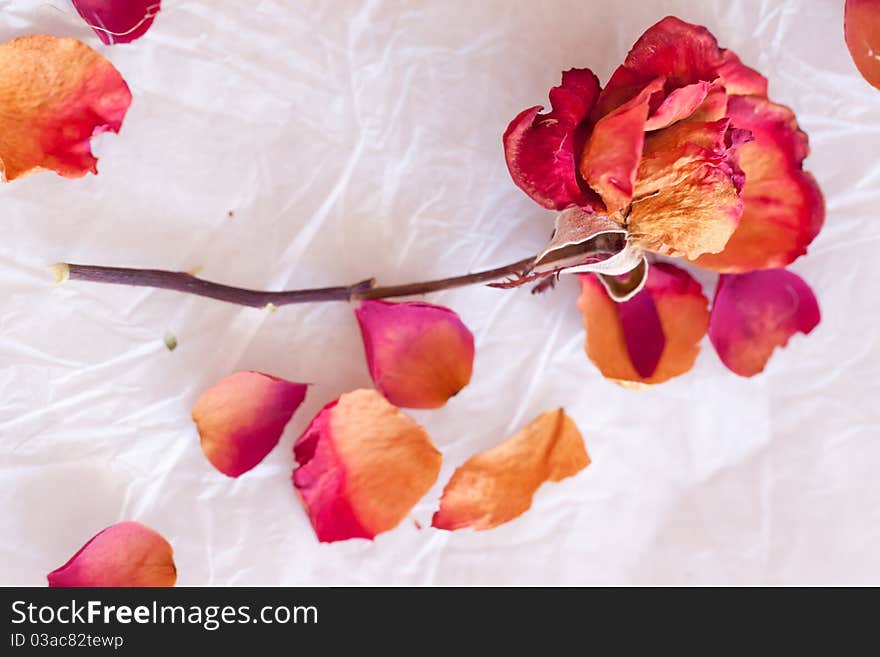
(681, 154)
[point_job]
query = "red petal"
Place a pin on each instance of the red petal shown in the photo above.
(623, 339)
(124, 554)
(419, 354)
(612, 153)
(685, 54)
(862, 29)
(783, 208)
(241, 418)
(754, 313)
(497, 486)
(363, 466)
(55, 96)
(118, 21)
(540, 149)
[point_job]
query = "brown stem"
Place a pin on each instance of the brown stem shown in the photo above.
(367, 289)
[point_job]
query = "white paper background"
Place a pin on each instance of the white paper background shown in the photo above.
(353, 139)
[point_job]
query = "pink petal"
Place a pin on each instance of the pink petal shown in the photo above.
(678, 105)
(124, 554)
(118, 21)
(363, 466)
(756, 312)
(419, 355)
(541, 149)
(643, 332)
(241, 418)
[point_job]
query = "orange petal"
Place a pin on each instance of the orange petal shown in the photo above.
(56, 94)
(497, 486)
(862, 29)
(241, 418)
(419, 354)
(363, 467)
(696, 216)
(783, 209)
(124, 554)
(612, 153)
(623, 340)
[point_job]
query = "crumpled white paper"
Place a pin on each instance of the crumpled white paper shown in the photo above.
(351, 139)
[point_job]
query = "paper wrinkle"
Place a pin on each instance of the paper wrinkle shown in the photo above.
(359, 139)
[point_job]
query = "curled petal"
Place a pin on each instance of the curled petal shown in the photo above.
(862, 29)
(496, 486)
(118, 21)
(363, 466)
(679, 104)
(56, 94)
(624, 340)
(419, 355)
(540, 149)
(696, 216)
(241, 418)
(783, 208)
(685, 54)
(754, 313)
(124, 554)
(611, 156)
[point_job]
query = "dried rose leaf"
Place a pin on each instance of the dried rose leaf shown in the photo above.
(241, 418)
(118, 21)
(124, 554)
(56, 94)
(419, 355)
(862, 30)
(494, 487)
(363, 467)
(755, 313)
(623, 339)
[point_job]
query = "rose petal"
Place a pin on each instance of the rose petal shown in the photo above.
(540, 148)
(754, 313)
(124, 554)
(694, 217)
(783, 207)
(56, 94)
(680, 104)
(419, 355)
(862, 29)
(363, 466)
(611, 341)
(685, 54)
(494, 487)
(241, 418)
(612, 153)
(118, 21)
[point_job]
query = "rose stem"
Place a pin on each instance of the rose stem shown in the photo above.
(183, 282)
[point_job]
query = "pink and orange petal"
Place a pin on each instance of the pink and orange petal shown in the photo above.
(496, 486)
(241, 418)
(118, 21)
(363, 467)
(56, 95)
(124, 554)
(755, 313)
(419, 355)
(651, 338)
